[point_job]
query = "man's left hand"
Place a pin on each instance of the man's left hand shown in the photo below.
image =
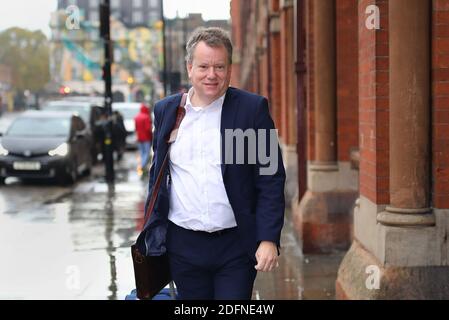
(266, 256)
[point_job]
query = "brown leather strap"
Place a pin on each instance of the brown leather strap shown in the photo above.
(180, 113)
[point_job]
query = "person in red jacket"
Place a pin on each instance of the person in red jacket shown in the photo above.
(144, 135)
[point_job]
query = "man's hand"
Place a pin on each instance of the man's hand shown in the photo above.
(266, 256)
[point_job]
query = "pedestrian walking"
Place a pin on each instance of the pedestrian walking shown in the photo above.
(219, 221)
(144, 136)
(118, 133)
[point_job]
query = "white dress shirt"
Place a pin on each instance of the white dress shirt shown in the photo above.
(198, 199)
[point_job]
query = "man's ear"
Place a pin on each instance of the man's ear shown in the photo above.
(189, 67)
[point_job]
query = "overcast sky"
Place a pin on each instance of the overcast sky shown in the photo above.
(35, 14)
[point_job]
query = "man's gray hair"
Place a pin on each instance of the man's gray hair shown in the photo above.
(214, 37)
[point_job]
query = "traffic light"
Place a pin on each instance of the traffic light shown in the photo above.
(104, 20)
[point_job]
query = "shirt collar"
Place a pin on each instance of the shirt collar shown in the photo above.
(218, 102)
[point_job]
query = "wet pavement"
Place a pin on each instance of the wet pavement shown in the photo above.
(299, 277)
(70, 242)
(73, 243)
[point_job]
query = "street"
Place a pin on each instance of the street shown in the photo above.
(72, 242)
(68, 242)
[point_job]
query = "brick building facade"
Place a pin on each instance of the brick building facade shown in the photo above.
(359, 90)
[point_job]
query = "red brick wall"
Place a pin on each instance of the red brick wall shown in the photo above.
(250, 27)
(262, 40)
(374, 105)
(440, 105)
(236, 41)
(347, 78)
(310, 84)
(286, 68)
(263, 70)
(292, 121)
(275, 65)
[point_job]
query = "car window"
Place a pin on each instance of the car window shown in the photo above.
(128, 110)
(81, 110)
(39, 127)
(128, 113)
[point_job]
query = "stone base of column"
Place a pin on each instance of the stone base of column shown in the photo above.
(323, 218)
(323, 221)
(362, 277)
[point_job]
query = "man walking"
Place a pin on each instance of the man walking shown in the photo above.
(218, 219)
(144, 136)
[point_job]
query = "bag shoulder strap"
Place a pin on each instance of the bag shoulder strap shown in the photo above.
(180, 113)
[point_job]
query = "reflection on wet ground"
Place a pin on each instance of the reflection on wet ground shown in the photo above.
(70, 243)
(299, 277)
(73, 243)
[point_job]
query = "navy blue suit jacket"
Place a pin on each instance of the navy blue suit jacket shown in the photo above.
(257, 200)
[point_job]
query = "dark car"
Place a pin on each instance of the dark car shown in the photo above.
(45, 144)
(91, 110)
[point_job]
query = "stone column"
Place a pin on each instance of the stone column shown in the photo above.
(409, 115)
(400, 249)
(288, 103)
(322, 218)
(325, 88)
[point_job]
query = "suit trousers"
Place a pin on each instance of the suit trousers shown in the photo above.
(209, 266)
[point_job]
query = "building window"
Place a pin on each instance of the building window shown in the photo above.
(115, 4)
(154, 4)
(153, 16)
(115, 14)
(137, 17)
(94, 16)
(137, 3)
(94, 3)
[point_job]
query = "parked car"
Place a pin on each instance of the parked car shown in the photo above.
(46, 144)
(128, 110)
(92, 111)
(97, 100)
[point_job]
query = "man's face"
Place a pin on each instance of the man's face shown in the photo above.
(209, 72)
